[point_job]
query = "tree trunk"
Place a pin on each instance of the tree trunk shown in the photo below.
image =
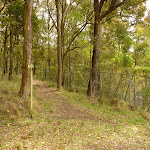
(11, 55)
(27, 50)
(49, 56)
(95, 57)
(59, 49)
(6, 63)
(49, 68)
(63, 71)
(98, 5)
(70, 73)
(62, 40)
(45, 71)
(11, 49)
(4, 54)
(1, 58)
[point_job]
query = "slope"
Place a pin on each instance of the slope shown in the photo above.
(64, 120)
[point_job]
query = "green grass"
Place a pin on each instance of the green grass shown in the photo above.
(117, 128)
(113, 113)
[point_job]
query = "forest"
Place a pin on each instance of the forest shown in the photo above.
(90, 60)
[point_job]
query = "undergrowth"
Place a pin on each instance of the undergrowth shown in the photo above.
(12, 106)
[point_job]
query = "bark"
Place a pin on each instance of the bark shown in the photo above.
(27, 50)
(49, 57)
(63, 71)
(70, 74)
(45, 71)
(95, 57)
(4, 54)
(49, 68)
(17, 63)
(1, 58)
(6, 64)
(59, 49)
(62, 39)
(11, 55)
(98, 84)
(17, 36)
(10, 50)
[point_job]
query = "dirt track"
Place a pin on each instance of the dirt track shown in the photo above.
(63, 109)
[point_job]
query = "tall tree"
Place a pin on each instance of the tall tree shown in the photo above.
(27, 50)
(71, 23)
(11, 49)
(59, 48)
(99, 15)
(4, 53)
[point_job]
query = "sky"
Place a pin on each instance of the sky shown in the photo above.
(148, 7)
(148, 4)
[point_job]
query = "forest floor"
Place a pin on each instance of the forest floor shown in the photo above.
(68, 121)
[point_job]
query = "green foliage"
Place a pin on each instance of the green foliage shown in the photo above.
(36, 22)
(15, 11)
(141, 69)
(124, 60)
(142, 47)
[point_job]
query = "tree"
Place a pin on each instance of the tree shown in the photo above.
(99, 6)
(11, 24)
(27, 49)
(74, 16)
(59, 48)
(11, 49)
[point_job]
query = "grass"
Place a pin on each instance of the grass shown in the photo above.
(116, 128)
(71, 134)
(121, 114)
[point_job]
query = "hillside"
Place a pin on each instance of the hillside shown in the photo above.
(67, 120)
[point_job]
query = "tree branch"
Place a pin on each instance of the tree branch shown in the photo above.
(51, 28)
(65, 54)
(111, 9)
(101, 5)
(3, 7)
(115, 16)
(113, 2)
(51, 15)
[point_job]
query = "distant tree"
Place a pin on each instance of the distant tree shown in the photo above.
(73, 19)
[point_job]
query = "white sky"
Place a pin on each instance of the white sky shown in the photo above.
(148, 7)
(148, 4)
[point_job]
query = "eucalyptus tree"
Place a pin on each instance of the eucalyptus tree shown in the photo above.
(74, 17)
(104, 10)
(4, 25)
(59, 48)
(27, 50)
(12, 23)
(11, 49)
